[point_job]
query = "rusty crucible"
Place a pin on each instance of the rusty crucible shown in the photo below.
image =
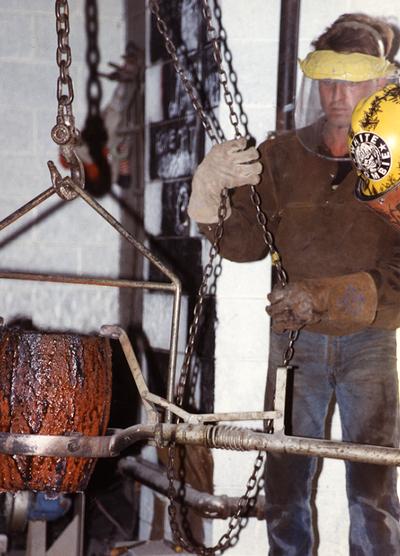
(57, 384)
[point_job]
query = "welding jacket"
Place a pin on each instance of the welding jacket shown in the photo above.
(320, 228)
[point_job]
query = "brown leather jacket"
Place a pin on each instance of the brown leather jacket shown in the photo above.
(320, 230)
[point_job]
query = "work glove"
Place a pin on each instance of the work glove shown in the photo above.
(227, 165)
(342, 304)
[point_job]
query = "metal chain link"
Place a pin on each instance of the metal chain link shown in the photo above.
(238, 521)
(64, 131)
(233, 79)
(222, 75)
(198, 308)
(172, 51)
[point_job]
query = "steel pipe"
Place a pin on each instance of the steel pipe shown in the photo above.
(207, 505)
(220, 436)
(287, 64)
(240, 439)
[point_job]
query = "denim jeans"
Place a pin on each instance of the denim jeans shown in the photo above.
(360, 371)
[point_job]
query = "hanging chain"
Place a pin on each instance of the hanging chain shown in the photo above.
(254, 484)
(222, 76)
(180, 70)
(233, 79)
(64, 131)
(236, 522)
(280, 271)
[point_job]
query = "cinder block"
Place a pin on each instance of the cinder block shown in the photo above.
(157, 315)
(27, 85)
(242, 328)
(251, 19)
(37, 6)
(23, 176)
(244, 280)
(153, 208)
(83, 309)
(15, 300)
(35, 257)
(17, 38)
(20, 231)
(17, 129)
(88, 227)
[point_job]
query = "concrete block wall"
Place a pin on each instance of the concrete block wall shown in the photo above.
(56, 237)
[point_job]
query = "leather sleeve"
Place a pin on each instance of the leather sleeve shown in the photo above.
(242, 239)
(386, 276)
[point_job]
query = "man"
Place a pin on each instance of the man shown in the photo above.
(343, 264)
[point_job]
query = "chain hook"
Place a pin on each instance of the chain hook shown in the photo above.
(63, 185)
(64, 133)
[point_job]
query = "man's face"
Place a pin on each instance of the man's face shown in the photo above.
(339, 98)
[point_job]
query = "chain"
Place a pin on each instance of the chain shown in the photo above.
(223, 78)
(233, 79)
(172, 51)
(198, 309)
(64, 131)
(239, 520)
(236, 522)
(277, 262)
(93, 85)
(282, 278)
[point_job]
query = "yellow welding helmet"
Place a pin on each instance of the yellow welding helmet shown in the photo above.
(374, 140)
(374, 146)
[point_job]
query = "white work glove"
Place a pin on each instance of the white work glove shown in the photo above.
(227, 165)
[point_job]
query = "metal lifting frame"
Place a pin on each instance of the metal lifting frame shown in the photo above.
(194, 428)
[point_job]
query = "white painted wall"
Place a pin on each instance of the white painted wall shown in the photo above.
(242, 334)
(73, 239)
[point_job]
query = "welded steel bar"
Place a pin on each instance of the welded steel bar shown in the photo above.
(240, 439)
(27, 207)
(156, 262)
(196, 418)
(124, 233)
(207, 505)
(74, 445)
(86, 280)
(174, 351)
(228, 438)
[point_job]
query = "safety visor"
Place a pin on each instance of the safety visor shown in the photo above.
(359, 72)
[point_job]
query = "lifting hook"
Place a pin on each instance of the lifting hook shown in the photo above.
(63, 185)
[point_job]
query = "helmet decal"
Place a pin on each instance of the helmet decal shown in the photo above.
(371, 155)
(371, 116)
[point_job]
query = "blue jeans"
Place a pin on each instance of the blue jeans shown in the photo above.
(360, 371)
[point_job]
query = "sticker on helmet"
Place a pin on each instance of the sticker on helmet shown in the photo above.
(371, 155)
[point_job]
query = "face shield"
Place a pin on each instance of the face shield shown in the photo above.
(332, 85)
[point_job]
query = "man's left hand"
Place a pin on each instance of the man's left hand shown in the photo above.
(347, 303)
(294, 306)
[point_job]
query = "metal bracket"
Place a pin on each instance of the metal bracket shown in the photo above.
(152, 401)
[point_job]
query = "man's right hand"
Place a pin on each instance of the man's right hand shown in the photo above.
(227, 165)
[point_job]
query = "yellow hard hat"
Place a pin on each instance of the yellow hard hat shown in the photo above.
(374, 140)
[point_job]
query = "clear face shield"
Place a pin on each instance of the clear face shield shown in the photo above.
(332, 85)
